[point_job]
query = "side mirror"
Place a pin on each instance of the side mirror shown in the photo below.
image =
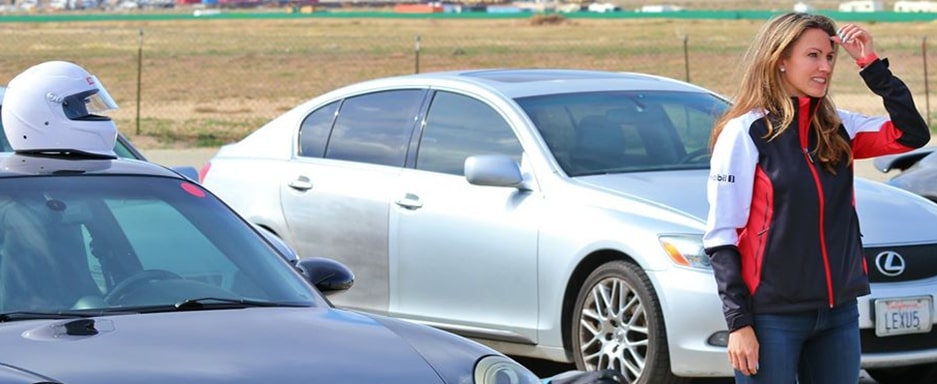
(494, 171)
(327, 275)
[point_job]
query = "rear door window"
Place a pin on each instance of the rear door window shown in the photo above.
(375, 128)
(314, 131)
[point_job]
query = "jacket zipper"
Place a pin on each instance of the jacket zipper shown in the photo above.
(804, 126)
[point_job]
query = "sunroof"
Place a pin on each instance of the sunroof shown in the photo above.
(521, 76)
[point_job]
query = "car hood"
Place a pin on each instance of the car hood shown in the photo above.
(258, 345)
(680, 191)
(879, 205)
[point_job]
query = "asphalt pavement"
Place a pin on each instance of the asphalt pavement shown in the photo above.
(545, 368)
(194, 157)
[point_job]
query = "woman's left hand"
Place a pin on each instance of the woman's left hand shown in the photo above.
(855, 40)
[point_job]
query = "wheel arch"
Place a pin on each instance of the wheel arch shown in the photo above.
(662, 358)
(577, 278)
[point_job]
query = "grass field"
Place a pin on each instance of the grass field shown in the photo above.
(207, 82)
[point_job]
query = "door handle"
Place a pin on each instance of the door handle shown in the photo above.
(301, 183)
(409, 201)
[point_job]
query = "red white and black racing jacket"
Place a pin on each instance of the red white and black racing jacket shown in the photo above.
(783, 233)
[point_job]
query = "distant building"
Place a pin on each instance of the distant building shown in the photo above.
(861, 6)
(802, 7)
(602, 7)
(660, 8)
(915, 6)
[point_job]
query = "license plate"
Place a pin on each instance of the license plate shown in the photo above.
(903, 316)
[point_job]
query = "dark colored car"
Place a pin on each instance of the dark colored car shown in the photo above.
(917, 171)
(116, 271)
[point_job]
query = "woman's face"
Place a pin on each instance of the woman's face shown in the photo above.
(809, 69)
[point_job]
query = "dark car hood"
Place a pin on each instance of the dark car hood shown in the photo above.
(260, 345)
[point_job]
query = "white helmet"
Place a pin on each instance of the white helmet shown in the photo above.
(54, 107)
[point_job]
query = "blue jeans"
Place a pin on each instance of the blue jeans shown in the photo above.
(812, 347)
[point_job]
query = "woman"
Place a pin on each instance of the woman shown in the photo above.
(782, 233)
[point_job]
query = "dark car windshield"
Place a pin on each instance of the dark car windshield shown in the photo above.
(626, 131)
(108, 243)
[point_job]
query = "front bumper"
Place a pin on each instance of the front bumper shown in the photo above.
(901, 350)
(692, 313)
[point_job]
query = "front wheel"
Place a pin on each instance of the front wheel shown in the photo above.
(617, 324)
(914, 374)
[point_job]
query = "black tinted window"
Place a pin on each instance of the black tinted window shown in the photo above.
(627, 131)
(375, 128)
(314, 131)
(459, 126)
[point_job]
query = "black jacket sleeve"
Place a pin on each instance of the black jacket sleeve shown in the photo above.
(736, 301)
(898, 102)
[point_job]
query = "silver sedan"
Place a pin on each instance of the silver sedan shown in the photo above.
(554, 214)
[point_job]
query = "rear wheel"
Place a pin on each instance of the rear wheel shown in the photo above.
(617, 324)
(913, 374)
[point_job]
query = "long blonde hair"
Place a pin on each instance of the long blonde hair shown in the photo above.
(762, 87)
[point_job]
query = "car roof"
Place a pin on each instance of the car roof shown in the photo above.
(19, 165)
(521, 82)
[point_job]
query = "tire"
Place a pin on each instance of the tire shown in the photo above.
(617, 324)
(912, 374)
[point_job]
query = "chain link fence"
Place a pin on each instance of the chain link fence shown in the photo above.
(208, 81)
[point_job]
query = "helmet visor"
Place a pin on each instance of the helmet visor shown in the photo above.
(88, 105)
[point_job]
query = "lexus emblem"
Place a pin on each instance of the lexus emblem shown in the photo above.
(890, 263)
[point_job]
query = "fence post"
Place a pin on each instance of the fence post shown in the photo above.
(686, 56)
(926, 81)
(139, 76)
(417, 57)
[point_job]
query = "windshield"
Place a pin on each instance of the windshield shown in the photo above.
(111, 242)
(626, 131)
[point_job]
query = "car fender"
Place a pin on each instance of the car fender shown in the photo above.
(581, 237)
(257, 202)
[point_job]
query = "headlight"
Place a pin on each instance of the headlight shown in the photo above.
(501, 370)
(686, 250)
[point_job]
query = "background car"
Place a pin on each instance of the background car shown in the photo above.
(917, 171)
(554, 214)
(116, 271)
